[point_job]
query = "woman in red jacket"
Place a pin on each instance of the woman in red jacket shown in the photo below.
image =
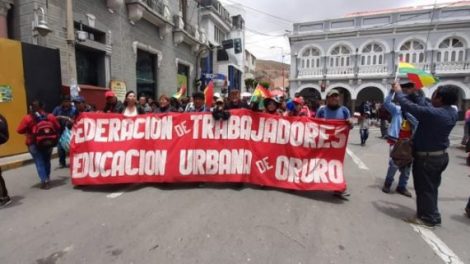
(41, 130)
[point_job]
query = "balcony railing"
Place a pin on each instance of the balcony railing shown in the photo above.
(155, 5)
(154, 11)
(373, 70)
(340, 71)
(218, 8)
(311, 73)
(452, 67)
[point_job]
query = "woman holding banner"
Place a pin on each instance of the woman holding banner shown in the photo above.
(130, 105)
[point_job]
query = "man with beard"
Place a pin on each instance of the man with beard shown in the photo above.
(334, 110)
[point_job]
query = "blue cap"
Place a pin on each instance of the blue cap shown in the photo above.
(78, 99)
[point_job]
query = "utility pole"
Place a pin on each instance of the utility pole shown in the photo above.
(282, 61)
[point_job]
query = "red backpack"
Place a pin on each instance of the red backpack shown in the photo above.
(44, 132)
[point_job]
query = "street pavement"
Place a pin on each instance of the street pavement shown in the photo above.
(218, 223)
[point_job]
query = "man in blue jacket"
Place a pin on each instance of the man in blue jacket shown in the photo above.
(393, 136)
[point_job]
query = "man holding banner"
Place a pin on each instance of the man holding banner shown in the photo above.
(334, 110)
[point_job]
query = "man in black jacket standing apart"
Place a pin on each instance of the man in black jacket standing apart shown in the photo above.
(4, 135)
(430, 148)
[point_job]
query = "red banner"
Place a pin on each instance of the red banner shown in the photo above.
(294, 153)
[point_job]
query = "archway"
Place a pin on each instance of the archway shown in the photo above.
(371, 94)
(312, 97)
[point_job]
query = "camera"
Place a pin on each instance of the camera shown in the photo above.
(219, 113)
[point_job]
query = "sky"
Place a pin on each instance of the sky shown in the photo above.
(266, 21)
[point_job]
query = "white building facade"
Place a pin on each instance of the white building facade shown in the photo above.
(224, 65)
(358, 54)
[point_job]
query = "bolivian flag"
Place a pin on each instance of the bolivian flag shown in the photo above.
(209, 94)
(181, 92)
(259, 95)
(419, 77)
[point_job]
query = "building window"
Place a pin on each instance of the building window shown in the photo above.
(373, 54)
(340, 57)
(219, 35)
(91, 68)
(412, 52)
(182, 77)
(310, 58)
(146, 74)
(89, 32)
(451, 50)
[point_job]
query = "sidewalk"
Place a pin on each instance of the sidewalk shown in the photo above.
(16, 161)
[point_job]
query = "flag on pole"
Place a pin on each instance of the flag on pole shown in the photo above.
(259, 94)
(209, 94)
(419, 77)
(181, 92)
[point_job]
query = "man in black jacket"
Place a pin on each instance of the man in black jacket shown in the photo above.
(4, 135)
(430, 144)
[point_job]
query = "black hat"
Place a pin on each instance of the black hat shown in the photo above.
(406, 83)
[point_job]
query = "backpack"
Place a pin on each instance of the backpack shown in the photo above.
(402, 152)
(4, 135)
(44, 133)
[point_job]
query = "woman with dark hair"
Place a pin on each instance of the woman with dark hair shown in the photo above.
(164, 105)
(271, 106)
(131, 108)
(41, 130)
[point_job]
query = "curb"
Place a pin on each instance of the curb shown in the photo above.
(21, 162)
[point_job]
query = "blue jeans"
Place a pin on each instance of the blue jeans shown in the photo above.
(364, 135)
(392, 170)
(42, 159)
(62, 155)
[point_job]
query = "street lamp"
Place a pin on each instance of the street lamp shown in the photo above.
(39, 25)
(282, 60)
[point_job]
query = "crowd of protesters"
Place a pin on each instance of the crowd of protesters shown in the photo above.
(405, 114)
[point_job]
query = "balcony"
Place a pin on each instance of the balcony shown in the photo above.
(315, 73)
(186, 33)
(452, 67)
(154, 11)
(373, 70)
(217, 8)
(340, 72)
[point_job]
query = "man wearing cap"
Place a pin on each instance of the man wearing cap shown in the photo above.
(333, 110)
(271, 106)
(113, 105)
(80, 104)
(65, 114)
(430, 145)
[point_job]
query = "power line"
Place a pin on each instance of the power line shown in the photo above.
(254, 31)
(261, 12)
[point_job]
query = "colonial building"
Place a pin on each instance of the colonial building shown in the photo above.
(151, 46)
(358, 54)
(224, 63)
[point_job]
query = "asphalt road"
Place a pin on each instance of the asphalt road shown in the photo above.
(222, 224)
